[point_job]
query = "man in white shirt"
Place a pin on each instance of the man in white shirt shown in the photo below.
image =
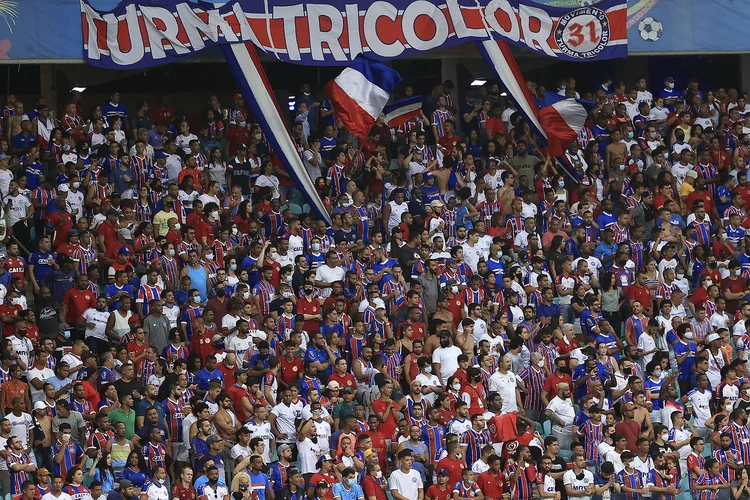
(95, 320)
(578, 481)
(445, 357)
(472, 251)
(156, 489)
(405, 481)
(699, 398)
(330, 272)
(38, 375)
(562, 413)
(505, 383)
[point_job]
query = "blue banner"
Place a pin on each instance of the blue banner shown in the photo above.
(141, 34)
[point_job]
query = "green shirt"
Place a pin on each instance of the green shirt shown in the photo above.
(343, 409)
(117, 415)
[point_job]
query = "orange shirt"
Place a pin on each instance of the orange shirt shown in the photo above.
(15, 389)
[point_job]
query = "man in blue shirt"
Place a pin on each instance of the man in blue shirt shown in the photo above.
(204, 377)
(547, 309)
(607, 249)
(22, 142)
(348, 489)
(320, 354)
(591, 316)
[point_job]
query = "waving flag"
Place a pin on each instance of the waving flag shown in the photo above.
(360, 93)
(398, 113)
(562, 122)
(558, 123)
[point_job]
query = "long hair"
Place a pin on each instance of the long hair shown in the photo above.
(235, 487)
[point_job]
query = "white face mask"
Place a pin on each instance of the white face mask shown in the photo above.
(177, 227)
(243, 124)
(215, 215)
(456, 387)
(670, 85)
(76, 185)
(709, 283)
(689, 335)
(235, 231)
(210, 256)
(737, 272)
(747, 392)
(428, 369)
(540, 363)
(378, 474)
(454, 290)
(665, 436)
(246, 295)
(680, 276)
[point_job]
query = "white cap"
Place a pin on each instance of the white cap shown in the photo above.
(712, 337)
(63, 188)
(258, 334)
(378, 303)
(40, 405)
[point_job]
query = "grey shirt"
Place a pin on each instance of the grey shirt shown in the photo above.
(430, 291)
(75, 419)
(158, 329)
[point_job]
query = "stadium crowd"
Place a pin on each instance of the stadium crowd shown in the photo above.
(479, 321)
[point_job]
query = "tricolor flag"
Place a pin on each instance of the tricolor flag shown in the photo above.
(562, 121)
(360, 93)
(558, 124)
(400, 112)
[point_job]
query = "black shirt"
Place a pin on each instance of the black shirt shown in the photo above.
(128, 388)
(241, 174)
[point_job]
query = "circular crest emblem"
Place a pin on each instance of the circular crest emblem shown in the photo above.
(582, 33)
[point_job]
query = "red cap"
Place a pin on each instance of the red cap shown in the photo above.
(237, 97)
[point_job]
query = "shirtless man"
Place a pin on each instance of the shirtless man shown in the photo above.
(642, 415)
(616, 151)
(225, 420)
(14, 122)
(507, 194)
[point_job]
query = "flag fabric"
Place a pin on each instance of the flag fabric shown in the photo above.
(360, 93)
(247, 69)
(400, 112)
(562, 122)
(558, 122)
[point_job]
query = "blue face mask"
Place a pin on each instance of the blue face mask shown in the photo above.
(66, 334)
(352, 481)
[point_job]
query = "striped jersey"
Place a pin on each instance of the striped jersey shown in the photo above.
(707, 479)
(174, 415)
(474, 442)
(71, 457)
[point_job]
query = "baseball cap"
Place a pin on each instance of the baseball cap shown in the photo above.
(712, 337)
(669, 79)
(284, 447)
(237, 97)
(114, 212)
(213, 438)
(216, 338)
(72, 232)
(437, 203)
(123, 250)
(238, 372)
(378, 303)
(40, 405)
(125, 484)
(448, 262)
(333, 385)
(443, 472)
(63, 188)
(160, 154)
(675, 220)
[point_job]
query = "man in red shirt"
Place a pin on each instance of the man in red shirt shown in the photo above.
(9, 313)
(310, 308)
(386, 409)
(493, 127)
(449, 140)
(60, 221)
(374, 486)
(453, 465)
(77, 300)
(14, 264)
(639, 291)
(379, 444)
(743, 188)
(108, 237)
(734, 287)
(442, 490)
(492, 482)
(700, 194)
(291, 365)
(549, 391)
(341, 377)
